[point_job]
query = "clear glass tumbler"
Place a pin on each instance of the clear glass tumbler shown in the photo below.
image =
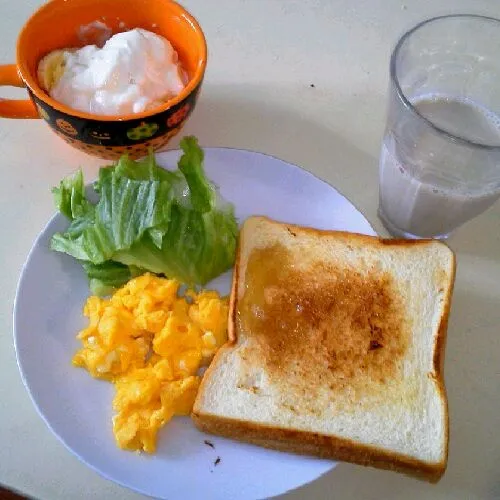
(440, 159)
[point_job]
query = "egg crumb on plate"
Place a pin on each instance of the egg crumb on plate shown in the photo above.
(150, 341)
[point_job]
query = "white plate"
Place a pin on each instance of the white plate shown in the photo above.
(77, 408)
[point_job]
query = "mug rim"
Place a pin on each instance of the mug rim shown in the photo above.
(406, 102)
(33, 85)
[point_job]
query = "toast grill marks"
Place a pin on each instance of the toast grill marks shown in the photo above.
(328, 328)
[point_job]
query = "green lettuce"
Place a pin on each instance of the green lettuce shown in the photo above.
(147, 218)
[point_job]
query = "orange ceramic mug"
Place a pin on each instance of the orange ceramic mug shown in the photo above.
(57, 25)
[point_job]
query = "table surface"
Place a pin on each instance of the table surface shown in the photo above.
(305, 81)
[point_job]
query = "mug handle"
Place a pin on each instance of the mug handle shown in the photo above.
(14, 108)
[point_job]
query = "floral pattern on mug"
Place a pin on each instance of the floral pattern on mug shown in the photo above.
(66, 127)
(143, 131)
(177, 117)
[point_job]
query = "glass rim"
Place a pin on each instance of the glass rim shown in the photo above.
(406, 102)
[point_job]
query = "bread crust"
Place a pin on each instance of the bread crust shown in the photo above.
(304, 442)
(308, 443)
(439, 352)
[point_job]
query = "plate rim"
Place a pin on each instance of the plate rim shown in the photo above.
(23, 274)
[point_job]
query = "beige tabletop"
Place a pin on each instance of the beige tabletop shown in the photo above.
(304, 80)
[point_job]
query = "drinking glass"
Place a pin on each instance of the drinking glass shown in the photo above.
(440, 158)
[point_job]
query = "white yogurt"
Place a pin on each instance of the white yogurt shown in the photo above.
(134, 71)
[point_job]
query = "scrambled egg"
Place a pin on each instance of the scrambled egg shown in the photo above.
(150, 342)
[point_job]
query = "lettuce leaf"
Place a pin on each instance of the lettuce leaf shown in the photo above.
(70, 198)
(148, 218)
(105, 278)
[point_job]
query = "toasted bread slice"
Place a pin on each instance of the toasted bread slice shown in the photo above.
(336, 345)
